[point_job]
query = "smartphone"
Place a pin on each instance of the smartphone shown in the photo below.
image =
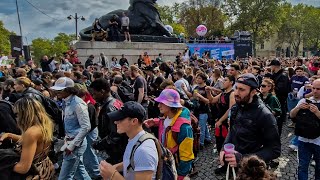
(308, 101)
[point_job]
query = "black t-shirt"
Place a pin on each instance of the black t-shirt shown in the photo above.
(123, 61)
(140, 82)
(202, 107)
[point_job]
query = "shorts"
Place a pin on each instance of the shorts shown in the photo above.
(125, 28)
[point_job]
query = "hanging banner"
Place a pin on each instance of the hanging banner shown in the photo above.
(215, 51)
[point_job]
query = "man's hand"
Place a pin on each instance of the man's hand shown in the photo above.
(68, 151)
(231, 159)
(303, 106)
(106, 170)
(313, 108)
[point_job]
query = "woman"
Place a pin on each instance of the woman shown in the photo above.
(35, 139)
(268, 96)
(175, 131)
(217, 80)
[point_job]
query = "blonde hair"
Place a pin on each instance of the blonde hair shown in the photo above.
(25, 81)
(270, 83)
(31, 113)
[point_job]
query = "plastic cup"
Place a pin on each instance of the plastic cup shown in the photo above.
(228, 148)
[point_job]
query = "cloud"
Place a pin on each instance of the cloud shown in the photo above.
(36, 24)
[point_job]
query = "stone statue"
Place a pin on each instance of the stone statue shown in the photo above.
(144, 20)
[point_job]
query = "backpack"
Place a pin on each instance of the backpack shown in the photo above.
(125, 92)
(54, 111)
(166, 168)
(307, 124)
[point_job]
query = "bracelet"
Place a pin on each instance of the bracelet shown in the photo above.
(113, 174)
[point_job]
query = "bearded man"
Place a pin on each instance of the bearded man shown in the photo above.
(253, 127)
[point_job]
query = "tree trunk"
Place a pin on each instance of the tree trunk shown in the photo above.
(254, 44)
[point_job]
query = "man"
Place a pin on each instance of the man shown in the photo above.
(112, 142)
(224, 101)
(98, 31)
(159, 59)
(125, 22)
(202, 108)
(146, 59)
(253, 127)
(139, 86)
(45, 63)
(129, 120)
(89, 61)
(181, 81)
(103, 61)
(114, 28)
(77, 125)
(308, 147)
(282, 88)
(256, 70)
(234, 70)
(123, 61)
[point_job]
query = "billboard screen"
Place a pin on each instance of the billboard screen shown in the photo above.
(216, 51)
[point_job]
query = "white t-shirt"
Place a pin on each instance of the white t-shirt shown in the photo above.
(312, 141)
(125, 21)
(166, 123)
(145, 157)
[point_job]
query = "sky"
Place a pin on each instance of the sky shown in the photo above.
(35, 24)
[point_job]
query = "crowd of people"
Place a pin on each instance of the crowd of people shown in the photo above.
(153, 114)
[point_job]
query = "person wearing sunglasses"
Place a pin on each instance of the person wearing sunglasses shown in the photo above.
(267, 95)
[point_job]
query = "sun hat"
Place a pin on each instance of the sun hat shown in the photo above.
(169, 97)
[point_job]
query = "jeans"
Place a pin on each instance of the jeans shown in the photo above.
(90, 158)
(294, 141)
(306, 150)
(73, 163)
(204, 131)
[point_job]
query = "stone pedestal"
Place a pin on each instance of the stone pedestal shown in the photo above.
(131, 50)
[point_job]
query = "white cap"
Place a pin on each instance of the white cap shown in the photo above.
(62, 83)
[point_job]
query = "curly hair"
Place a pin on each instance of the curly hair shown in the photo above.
(254, 168)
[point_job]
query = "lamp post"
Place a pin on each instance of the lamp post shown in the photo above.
(75, 17)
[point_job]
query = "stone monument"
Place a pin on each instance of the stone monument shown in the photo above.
(145, 23)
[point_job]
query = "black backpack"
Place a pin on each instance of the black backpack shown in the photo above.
(125, 92)
(307, 124)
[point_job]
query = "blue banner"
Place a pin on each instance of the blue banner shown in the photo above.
(215, 51)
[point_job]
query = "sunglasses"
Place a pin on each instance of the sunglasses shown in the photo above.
(263, 85)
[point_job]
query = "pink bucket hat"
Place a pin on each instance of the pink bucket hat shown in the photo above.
(169, 97)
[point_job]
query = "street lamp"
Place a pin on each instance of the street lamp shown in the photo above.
(70, 17)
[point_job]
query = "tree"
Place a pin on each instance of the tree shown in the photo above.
(170, 16)
(292, 29)
(311, 38)
(206, 12)
(56, 47)
(4, 39)
(260, 17)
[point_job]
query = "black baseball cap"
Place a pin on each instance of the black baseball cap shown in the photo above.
(275, 63)
(130, 109)
(249, 80)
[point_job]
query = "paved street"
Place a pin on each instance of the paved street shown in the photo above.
(208, 162)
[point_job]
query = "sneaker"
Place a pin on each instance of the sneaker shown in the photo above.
(125, 41)
(313, 163)
(220, 170)
(291, 125)
(293, 147)
(129, 41)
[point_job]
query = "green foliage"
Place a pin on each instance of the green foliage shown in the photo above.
(260, 17)
(4, 39)
(55, 47)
